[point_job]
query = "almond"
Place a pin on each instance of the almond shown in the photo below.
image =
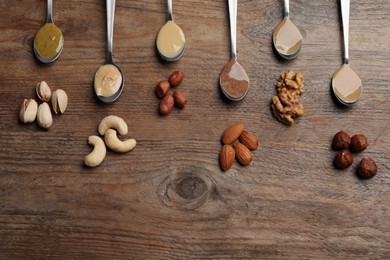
(232, 133)
(249, 140)
(243, 155)
(226, 157)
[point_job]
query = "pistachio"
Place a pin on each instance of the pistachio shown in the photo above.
(28, 111)
(44, 116)
(59, 101)
(43, 91)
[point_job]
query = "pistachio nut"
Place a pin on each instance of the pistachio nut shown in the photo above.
(59, 101)
(28, 111)
(43, 91)
(44, 117)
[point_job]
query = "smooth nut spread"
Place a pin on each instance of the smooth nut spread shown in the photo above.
(48, 41)
(234, 80)
(170, 40)
(108, 80)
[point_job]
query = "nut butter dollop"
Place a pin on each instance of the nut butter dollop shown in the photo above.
(170, 40)
(48, 41)
(234, 80)
(108, 80)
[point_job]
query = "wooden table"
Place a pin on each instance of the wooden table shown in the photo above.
(168, 198)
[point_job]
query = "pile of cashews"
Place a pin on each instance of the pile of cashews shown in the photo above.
(108, 127)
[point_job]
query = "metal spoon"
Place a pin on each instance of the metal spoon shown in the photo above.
(110, 5)
(57, 43)
(234, 81)
(170, 41)
(287, 38)
(346, 84)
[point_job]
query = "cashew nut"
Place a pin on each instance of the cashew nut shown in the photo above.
(112, 142)
(114, 122)
(98, 153)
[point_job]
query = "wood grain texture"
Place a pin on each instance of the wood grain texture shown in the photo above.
(168, 198)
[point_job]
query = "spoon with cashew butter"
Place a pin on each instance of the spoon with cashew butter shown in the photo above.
(346, 84)
(287, 38)
(109, 79)
(171, 40)
(49, 41)
(234, 81)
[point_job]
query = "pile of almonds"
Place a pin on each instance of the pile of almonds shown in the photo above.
(169, 100)
(243, 143)
(29, 110)
(345, 144)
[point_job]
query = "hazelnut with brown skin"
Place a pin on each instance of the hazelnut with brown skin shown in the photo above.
(341, 141)
(367, 168)
(343, 159)
(358, 143)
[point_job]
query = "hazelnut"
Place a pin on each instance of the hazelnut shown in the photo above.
(343, 159)
(367, 168)
(358, 143)
(341, 141)
(162, 88)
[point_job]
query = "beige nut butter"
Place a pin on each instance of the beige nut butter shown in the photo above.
(48, 41)
(108, 80)
(287, 38)
(170, 40)
(347, 84)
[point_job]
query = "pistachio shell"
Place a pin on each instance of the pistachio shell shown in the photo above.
(43, 91)
(59, 101)
(44, 117)
(28, 111)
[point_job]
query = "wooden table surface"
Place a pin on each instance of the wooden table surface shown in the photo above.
(168, 198)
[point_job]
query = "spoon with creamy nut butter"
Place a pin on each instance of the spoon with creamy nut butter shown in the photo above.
(346, 84)
(49, 41)
(234, 80)
(109, 79)
(171, 41)
(287, 38)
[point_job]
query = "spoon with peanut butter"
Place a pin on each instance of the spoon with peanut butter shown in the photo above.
(109, 79)
(234, 80)
(346, 84)
(49, 41)
(171, 41)
(287, 38)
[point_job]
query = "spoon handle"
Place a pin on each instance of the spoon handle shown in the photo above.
(233, 25)
(110, 5)
(49, 11)
(345, 17)
(286, 8)
(170, 16)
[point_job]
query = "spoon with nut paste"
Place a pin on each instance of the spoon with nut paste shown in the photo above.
(234, 80)
(346, 84)
(287, 38)
(171, 40)
(109, 79)
(49, 41)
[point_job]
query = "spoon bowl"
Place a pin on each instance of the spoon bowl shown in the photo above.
(49, 40)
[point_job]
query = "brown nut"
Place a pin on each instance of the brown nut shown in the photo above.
(162, 88)
(176, 78)
(358, 143)
(367, 168)
(166, 104)
(341, 141)
(226, 157)
(243, 155)
(232, 133)
(343, 159)
(180, 99)
(249, 140)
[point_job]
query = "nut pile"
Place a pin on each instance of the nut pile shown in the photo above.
(285, 106)
(108, 127)
(342, 141)
(29, 110)
(169, 100)
(243, 143)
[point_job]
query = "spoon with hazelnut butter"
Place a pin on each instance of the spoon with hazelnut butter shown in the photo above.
(233, 81)
(346, 84)
(109, 79)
